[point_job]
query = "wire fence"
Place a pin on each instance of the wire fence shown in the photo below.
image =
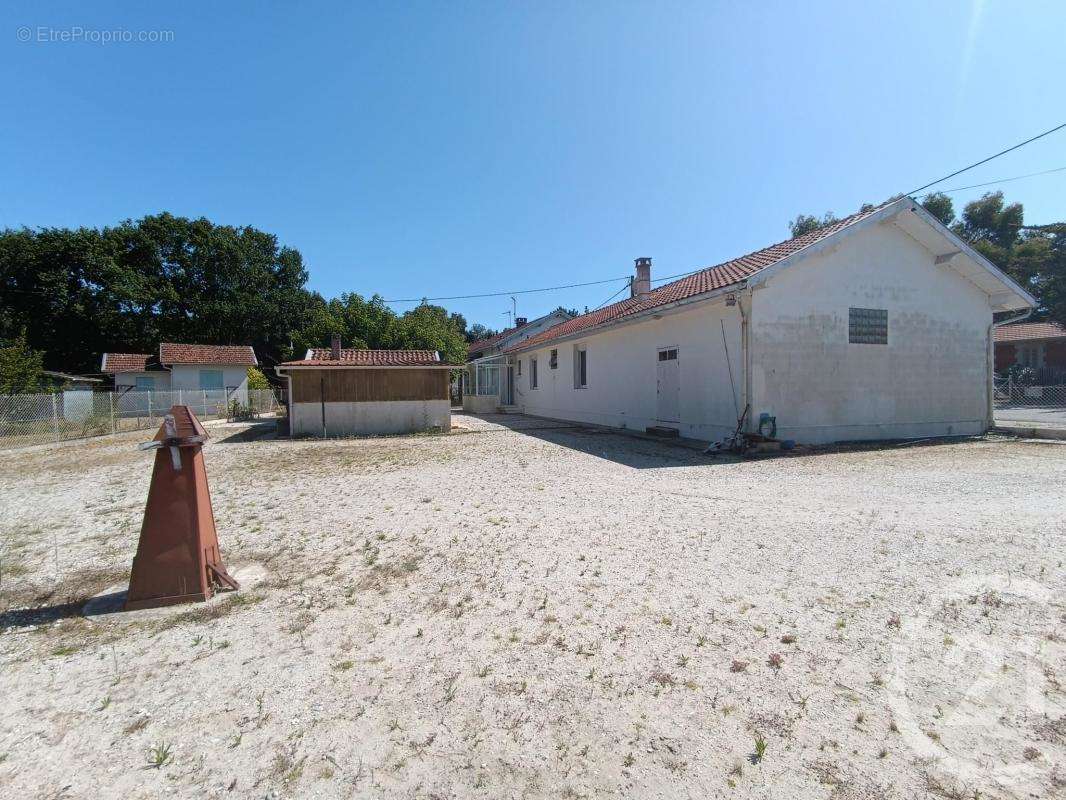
(29, 419)
(1038, 390)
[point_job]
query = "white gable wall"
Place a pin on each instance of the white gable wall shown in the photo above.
(931, 378)
(622, 371)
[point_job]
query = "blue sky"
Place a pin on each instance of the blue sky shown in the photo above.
(429, 149)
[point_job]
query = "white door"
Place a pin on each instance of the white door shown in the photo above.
(668, 386)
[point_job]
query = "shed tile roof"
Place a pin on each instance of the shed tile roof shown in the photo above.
(1026, 331)
(124, 362)
(705, 280)
(321, 357)
(239, 355)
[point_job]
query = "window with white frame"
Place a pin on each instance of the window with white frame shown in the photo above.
(580, 367)
(532, 373)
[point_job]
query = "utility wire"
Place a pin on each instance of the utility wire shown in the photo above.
(612, 297)
(1001, 180)
(503, 294)
(986, 160)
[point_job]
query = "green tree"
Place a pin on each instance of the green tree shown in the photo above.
(256, 379)
(805, 223)
(20, 367)
(940, 206)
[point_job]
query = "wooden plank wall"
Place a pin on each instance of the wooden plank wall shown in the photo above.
(365, 385)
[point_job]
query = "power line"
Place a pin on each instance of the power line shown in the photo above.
(504, 294)
(986, 160)
(1001, 180)
(612, 297)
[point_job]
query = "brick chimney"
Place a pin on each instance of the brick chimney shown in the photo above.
(520, 321)
(335, 347)
(641, 285)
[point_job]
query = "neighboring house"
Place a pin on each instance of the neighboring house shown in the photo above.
(219, 369)
(878, 326)
(488, 379)
(1038, 345)
(337, 392)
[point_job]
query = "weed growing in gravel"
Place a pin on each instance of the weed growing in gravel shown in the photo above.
(775, 662)
(159, 755)
(738, 665)
(760, 749)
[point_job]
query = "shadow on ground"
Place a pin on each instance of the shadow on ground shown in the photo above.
(260, 429)
(110, 603)
(639, 451)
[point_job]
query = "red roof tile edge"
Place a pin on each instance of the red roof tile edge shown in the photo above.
(1030, 331)
(351, 358)
(700, 282)
(230, 354)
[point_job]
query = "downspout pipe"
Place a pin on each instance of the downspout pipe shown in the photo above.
(992, 361)
(745, 355)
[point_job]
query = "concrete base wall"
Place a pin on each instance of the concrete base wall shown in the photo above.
(480, 403)
(363, 419)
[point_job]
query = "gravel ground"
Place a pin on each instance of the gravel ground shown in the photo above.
(526, 609)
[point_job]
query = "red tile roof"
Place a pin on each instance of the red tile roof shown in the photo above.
(1026, 331)
(238, 355)
(705, 280)
(489, 341)
(320, 357)
(125, 362)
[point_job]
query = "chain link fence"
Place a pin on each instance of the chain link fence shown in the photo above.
(1043, 390)
(29, 419)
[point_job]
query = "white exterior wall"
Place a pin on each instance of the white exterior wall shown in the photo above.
(370, 418)
(160, 378)
(187, 376)
(931, 379)
(622, 373)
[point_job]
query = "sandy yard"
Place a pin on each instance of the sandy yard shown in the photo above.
(547, 611)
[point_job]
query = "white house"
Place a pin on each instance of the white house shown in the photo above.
(879, 326)
(488, 380)
(219, 369)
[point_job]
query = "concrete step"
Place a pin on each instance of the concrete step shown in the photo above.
(511, 409)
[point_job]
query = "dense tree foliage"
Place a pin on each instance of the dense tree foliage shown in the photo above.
(1034, 256)
(20, 367)
(79, 293)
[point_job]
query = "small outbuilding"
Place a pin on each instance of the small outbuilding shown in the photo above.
(345, 392)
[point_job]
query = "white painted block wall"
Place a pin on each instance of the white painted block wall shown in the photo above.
(622, 373)
(370, 418)
(931, 378)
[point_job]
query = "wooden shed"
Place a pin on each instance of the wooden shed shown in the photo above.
(345, 392)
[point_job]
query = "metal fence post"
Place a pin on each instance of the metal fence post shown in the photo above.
(205, 402)
(149, 409)
(111, 402)
(55, 416)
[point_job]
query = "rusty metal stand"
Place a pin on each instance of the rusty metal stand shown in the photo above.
(178, 560)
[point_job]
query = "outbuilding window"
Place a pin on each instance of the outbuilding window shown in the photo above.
(210, 379)
(532, 373)
(868, 326)
(519, 364)
(580, 366)
(553, 359)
